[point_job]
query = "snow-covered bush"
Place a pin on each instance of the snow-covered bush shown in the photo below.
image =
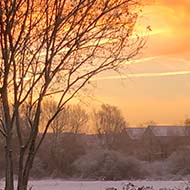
(38, 169)
(156, 170)
(108, 165)
(179, 162)
(59, 159)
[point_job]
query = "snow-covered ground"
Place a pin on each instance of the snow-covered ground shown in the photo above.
(101, 185)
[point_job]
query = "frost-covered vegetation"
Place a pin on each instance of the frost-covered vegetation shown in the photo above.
(102, 164)
(108, 165)
(105, 185)
(68, 153)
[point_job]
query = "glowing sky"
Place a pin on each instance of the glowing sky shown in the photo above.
(157, 85)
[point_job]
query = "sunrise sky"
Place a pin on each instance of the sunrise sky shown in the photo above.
(157, 85)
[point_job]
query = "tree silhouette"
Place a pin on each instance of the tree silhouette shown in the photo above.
(53, 48)
(109, 124)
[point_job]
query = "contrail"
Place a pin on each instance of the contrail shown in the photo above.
(142, 75)
(140, 60)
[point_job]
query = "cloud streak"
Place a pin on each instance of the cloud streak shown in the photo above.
(141, 60)
(142, 75)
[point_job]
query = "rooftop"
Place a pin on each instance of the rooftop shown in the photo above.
(168, 130)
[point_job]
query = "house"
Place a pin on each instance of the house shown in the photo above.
(129, 140)
(135, 133)
(153, 142)
(136, 136)
(161, 141)
(150, 143)
(90, 140)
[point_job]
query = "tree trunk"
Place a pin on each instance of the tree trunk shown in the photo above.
(9, 183)
(27, 172)
(24, 170)
(23, 176)
(20, 185)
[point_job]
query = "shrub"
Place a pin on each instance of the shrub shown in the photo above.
(179, 161)
(157, 170)
(38, 169)
(108, 165)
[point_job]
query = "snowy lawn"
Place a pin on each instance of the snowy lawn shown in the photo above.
(101, 185)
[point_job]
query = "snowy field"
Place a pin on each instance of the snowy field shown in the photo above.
(101, 185)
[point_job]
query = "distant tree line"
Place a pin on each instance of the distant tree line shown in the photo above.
(65, 141)
(68, 152)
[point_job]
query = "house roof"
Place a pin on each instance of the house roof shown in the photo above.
(168, 130)
(135, 133)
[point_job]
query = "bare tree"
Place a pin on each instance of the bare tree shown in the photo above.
(187, 130)
(64, 135)
(187, 122)
(77, 119)
(109, 124)
(53, 48)
(72, 119)
(147, 123)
